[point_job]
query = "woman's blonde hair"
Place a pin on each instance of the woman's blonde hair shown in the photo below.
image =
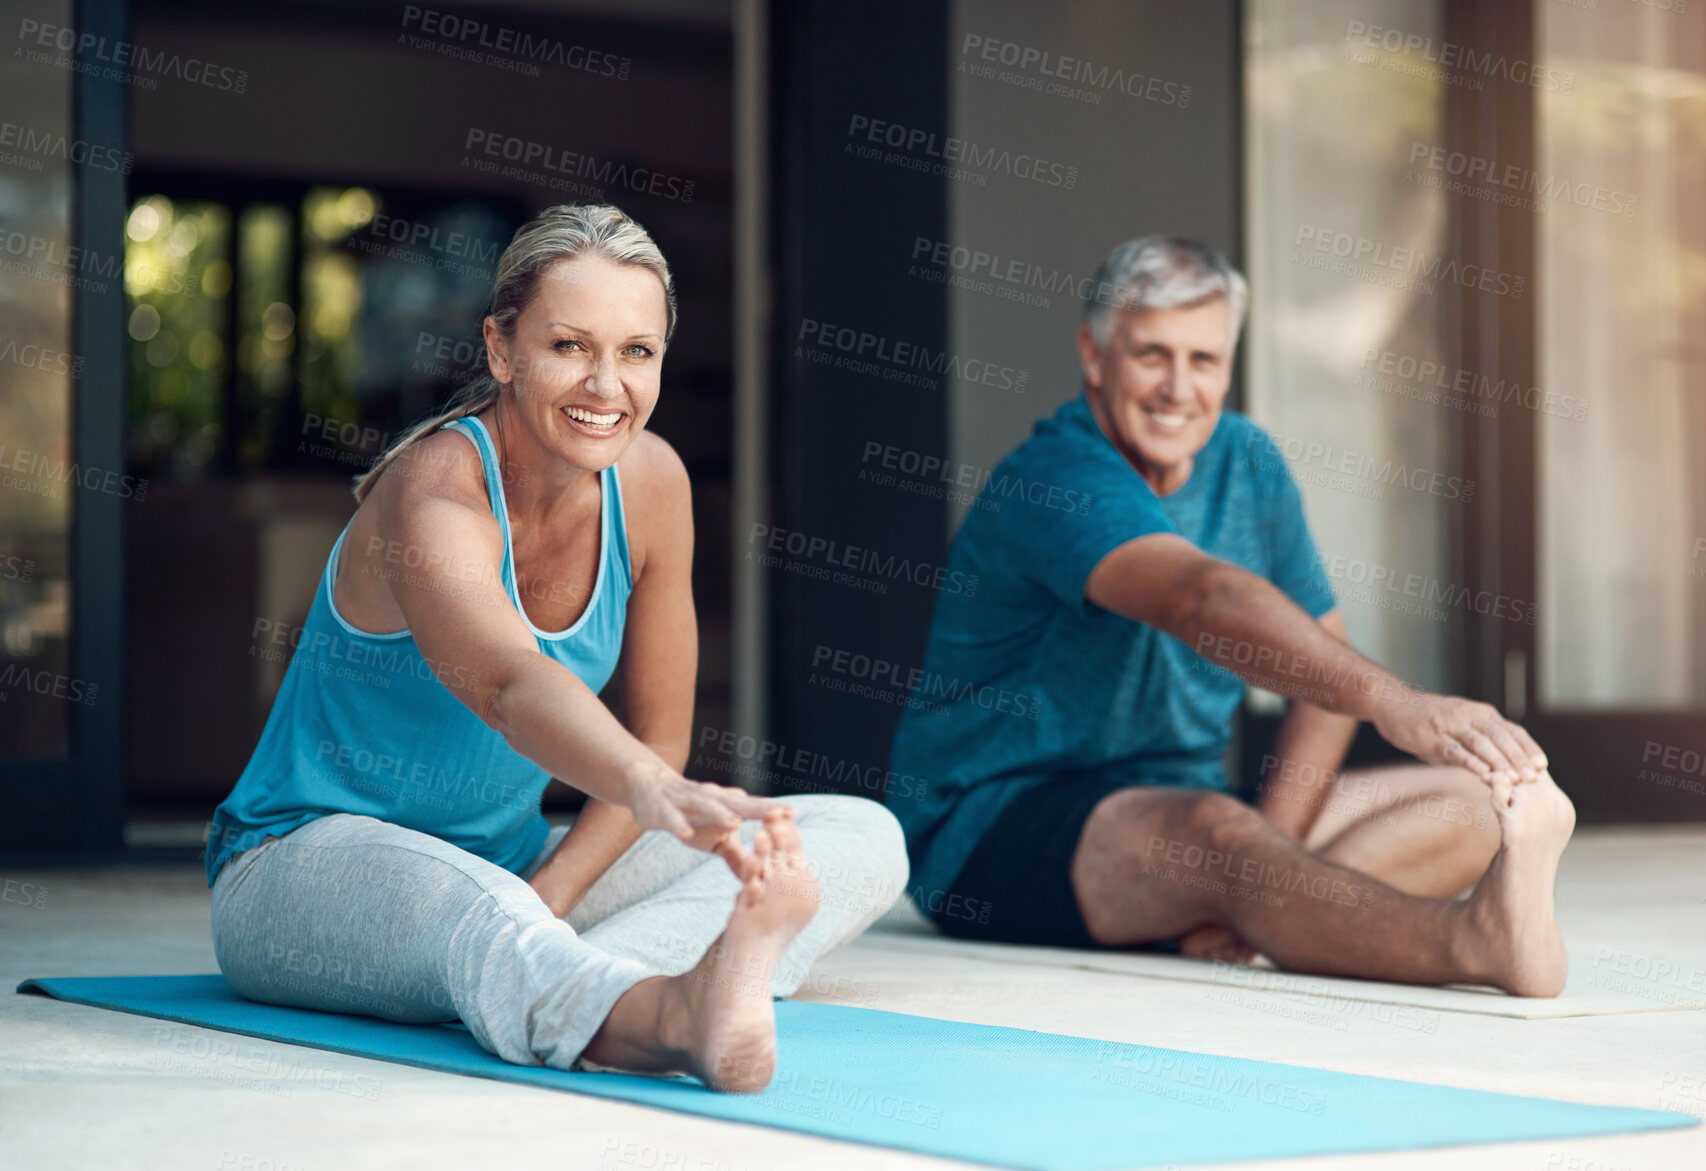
(557, 233)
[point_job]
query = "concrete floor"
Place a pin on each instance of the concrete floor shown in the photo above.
(81, 1087)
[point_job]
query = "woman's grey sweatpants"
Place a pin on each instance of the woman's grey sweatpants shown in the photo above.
(349, 914)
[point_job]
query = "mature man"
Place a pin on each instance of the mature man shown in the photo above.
(1164, 562)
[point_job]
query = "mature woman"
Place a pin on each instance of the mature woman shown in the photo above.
(383, 852)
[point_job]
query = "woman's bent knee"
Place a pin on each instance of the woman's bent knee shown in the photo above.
(286, 930)
(856, 847)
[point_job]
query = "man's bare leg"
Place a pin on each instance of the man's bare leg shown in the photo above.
(1421, 829)
(718, 1021)
(1154, 863)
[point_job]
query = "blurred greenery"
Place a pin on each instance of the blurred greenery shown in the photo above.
(332, 300)
(266, 326)
(177, 278)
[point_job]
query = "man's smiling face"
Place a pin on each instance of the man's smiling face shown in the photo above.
(1156, 388)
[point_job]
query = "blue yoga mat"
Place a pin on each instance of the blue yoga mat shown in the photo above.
(983, 1093)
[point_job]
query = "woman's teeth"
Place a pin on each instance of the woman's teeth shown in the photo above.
(582, 415)
(1167, 420)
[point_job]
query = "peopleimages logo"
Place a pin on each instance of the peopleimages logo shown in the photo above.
(1479, 169)
(1149, 1069)
(558, 160)
(48, 144)
(1013, 277)
(69, 257)
(41, 471)
(793, 761)
(862, 352)
(16, 676)
(860, 559)
(1472, 386)
(1222, 652)
(270, 640)
(368, 769)
(1359, 250)
(1451, 57)
(997, 485)
(452, 31)
(955, 154)
(430, 238)
(1050, 69)
(116, 59)
(1328, 458)
(1383, 586)
(1673, 756)
(40, 358)
(923, 686)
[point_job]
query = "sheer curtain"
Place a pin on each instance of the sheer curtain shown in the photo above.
(1333, 353)
(1622, 303)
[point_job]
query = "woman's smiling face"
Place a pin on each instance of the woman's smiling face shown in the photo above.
(585, 358)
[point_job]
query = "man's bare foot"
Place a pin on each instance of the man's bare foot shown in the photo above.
(1213, 941)
(722, 1018)
(1516, 937)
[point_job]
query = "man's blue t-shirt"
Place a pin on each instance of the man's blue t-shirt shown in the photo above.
(1026, 681)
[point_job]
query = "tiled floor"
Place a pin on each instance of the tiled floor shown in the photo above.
(85, 1088)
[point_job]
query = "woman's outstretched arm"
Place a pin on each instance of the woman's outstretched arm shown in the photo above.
(465, 624)
(659, 664)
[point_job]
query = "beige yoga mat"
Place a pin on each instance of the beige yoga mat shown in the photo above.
(1603, 981)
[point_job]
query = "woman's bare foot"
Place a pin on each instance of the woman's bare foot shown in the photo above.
(1518, 944)
(717, 1021)
(731, 1034)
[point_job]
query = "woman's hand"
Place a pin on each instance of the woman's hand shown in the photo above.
(705, 816)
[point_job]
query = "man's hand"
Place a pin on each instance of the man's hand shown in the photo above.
(1442, 729)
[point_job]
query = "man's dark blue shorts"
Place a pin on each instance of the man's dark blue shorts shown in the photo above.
(1016, 887)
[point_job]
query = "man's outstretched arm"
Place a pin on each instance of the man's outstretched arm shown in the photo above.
(1247, 625)
(1307, 754)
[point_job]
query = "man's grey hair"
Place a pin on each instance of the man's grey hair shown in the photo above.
(1162, 272)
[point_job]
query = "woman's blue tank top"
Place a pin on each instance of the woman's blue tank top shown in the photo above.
(364, 724)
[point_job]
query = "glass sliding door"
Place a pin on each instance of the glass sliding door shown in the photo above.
(38, 371)
(63, 480)
(1619, 652)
